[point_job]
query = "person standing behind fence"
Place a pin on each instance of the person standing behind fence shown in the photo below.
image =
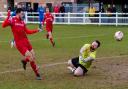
(62, 11)
(114, 10)
(109, 13)
(114, 13)
(91, 10)
(125, 11)
(41, 12)
(56, 11)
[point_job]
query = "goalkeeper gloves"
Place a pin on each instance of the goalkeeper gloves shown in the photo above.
(86, 59)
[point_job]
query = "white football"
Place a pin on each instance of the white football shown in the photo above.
(119, 35)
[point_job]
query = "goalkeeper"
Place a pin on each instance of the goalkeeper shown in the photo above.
(80, 65)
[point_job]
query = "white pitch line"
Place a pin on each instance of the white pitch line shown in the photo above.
(71, 37)
(54, 64)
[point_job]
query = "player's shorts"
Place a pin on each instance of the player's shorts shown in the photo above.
(23, 46)
(75, 62)
(49, 28)
(41, 19)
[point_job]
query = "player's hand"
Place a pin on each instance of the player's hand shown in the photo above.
(40, 30)
(9, 13)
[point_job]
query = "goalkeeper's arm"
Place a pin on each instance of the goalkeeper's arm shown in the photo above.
(86, 59)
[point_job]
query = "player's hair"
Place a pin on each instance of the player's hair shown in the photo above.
(98, 42)
(18, 10)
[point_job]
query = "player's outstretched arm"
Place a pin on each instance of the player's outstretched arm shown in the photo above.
(28, 31)
(7, 21)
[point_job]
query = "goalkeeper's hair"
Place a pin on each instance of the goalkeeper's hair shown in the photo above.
(18, 10)
(98, 42)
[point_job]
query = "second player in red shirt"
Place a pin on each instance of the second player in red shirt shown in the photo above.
(48, 18)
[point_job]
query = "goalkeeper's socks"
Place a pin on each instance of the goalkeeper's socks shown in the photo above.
(34, 67)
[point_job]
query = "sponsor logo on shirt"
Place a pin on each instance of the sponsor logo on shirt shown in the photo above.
(19, 24)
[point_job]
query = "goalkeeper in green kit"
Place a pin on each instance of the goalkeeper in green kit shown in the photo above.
(80, 65)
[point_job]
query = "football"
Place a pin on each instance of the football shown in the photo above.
(119, 35)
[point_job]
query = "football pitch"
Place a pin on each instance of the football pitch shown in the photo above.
(109, 71)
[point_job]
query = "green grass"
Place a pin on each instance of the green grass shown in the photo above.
(69, 39)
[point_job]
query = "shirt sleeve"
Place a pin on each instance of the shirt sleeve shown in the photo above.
(30, 31)
(93, 55)
(83, 49)
(7, 22)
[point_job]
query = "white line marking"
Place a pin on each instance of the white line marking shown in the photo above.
(72, 37)
(54, 64)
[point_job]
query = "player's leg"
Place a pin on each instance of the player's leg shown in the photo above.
(73, 64)
(80, 71)
(47, 35)
(40, 22)
(22, 49)
(51, 38)
(34, 66)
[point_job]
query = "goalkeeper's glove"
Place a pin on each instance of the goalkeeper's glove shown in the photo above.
(86, 59)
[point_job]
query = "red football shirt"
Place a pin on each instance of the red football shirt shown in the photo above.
(18, 28)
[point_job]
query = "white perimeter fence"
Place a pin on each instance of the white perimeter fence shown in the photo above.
(78, 18)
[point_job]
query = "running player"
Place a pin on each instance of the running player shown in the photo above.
(80, 65)
(48, 18)
(41, 12)
(22, 43)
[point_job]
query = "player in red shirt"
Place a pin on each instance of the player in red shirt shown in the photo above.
(19, 31)
(48, 18)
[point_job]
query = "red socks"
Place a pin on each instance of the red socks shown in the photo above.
(26, 59)
(51, 40)
(47, 36)
(34, 67)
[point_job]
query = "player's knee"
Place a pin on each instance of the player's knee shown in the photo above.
(29, 55)
(33, 53)
(78, 72)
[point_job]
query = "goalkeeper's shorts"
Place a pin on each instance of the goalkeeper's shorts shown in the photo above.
(75, 62)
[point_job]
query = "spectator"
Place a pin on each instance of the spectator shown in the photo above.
(109, 13)
(125, 10)
(109, 10)
(62, 11)
(102, 10)
(114, 10)
(92, 10)
(23, 7)
(56, 11)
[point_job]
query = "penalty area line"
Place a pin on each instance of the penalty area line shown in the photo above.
(53, 64)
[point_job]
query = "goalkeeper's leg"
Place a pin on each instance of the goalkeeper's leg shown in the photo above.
(72, 64)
